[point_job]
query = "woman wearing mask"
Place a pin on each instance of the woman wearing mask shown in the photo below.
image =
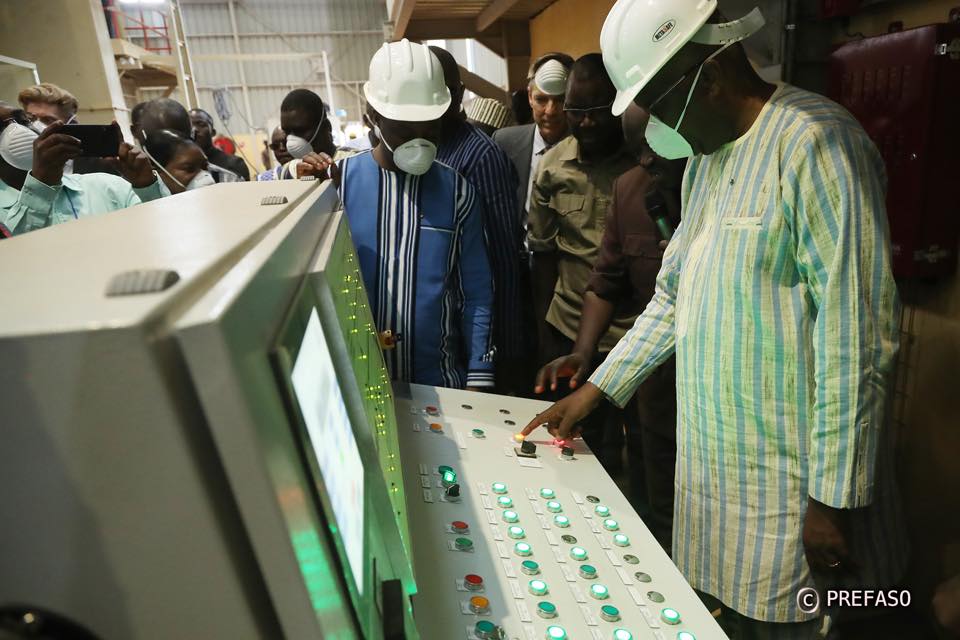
(181, 162)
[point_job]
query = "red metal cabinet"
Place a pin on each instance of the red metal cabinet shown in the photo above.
(905, 89)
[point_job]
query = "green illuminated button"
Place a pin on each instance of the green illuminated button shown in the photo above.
(610, 524)
(530, 567)
(448, 478)
(670, 616)
(522, 549)
(548, 494)
(578, 553)
(538, 587)
(478, 433)
(499, 487)
(510, 516)
(602, 511)
(516, 533)
(442, 469)
(556, 633)
(588, 571)
(546, 609)
(621, 540)
(685, 635)
(463, 544)
(505, 501)
(554, 507)
(485, 629)
(599, 592)
(609, 613)
(561, 521)
(622, 634)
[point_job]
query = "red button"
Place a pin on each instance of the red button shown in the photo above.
(459, 525)
(473, 579)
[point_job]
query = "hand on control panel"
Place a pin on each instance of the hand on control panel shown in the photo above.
(563, 417)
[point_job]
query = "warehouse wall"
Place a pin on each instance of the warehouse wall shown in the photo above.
(572, 26)
(349, 30)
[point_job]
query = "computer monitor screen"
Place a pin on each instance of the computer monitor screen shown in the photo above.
(331, 439)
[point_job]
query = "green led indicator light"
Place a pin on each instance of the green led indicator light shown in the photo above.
(510, 516)
(442, 469)
(685, 635)
(610, 524)
(479, 433)
(588, 571)
(548, 494)
(485, 629)
(621, 540)
(561, 521)
(505, 501)
(602, 511)
(516, 533)
(578, 553)
(547, 609)
(499, 487)
(670, 616)
(530, 567)
(599, 592)
(554, 506)
(556, 633)
(449, 478)
(609, 613)
(522, 549)
(463, 543)
(538, 587)
(622, 634)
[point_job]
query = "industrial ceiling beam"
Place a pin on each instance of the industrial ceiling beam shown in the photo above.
(494, 11)
(401, 13)
(449, 28)
(481, 87)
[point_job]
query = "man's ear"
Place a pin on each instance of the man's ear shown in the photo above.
(710, 80)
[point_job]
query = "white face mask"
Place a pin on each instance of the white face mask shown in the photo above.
(16, 145)
(299, 147)
(665, 141)
(202, 179)
(413, 156)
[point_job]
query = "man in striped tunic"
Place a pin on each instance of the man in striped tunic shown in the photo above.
(417, 228)
(487, 168)
(777, 297)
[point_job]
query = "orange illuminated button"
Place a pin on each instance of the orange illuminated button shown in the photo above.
(436, 427)
(479, 604)
(473, 582)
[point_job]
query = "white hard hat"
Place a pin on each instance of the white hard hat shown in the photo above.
(406, 83)
(640, 36)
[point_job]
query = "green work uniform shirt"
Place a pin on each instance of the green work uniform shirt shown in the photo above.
(568, 208)
(40, 205)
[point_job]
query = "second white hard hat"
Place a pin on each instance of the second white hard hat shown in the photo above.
(640, 36)
(406, 83)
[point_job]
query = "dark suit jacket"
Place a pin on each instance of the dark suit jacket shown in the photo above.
(517, 143)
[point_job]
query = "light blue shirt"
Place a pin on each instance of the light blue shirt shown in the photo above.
(40, 205)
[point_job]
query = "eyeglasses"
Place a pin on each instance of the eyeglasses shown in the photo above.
(578, 113)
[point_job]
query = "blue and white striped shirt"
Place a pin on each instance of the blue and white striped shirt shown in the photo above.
(424, 263)
(485, 166)
(776, 294)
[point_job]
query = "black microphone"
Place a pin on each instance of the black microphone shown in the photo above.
(657, 210)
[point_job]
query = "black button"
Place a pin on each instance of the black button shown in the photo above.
(528, 447)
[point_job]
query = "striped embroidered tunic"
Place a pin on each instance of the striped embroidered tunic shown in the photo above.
(477, 158)
(424, 264)
(777, 297)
